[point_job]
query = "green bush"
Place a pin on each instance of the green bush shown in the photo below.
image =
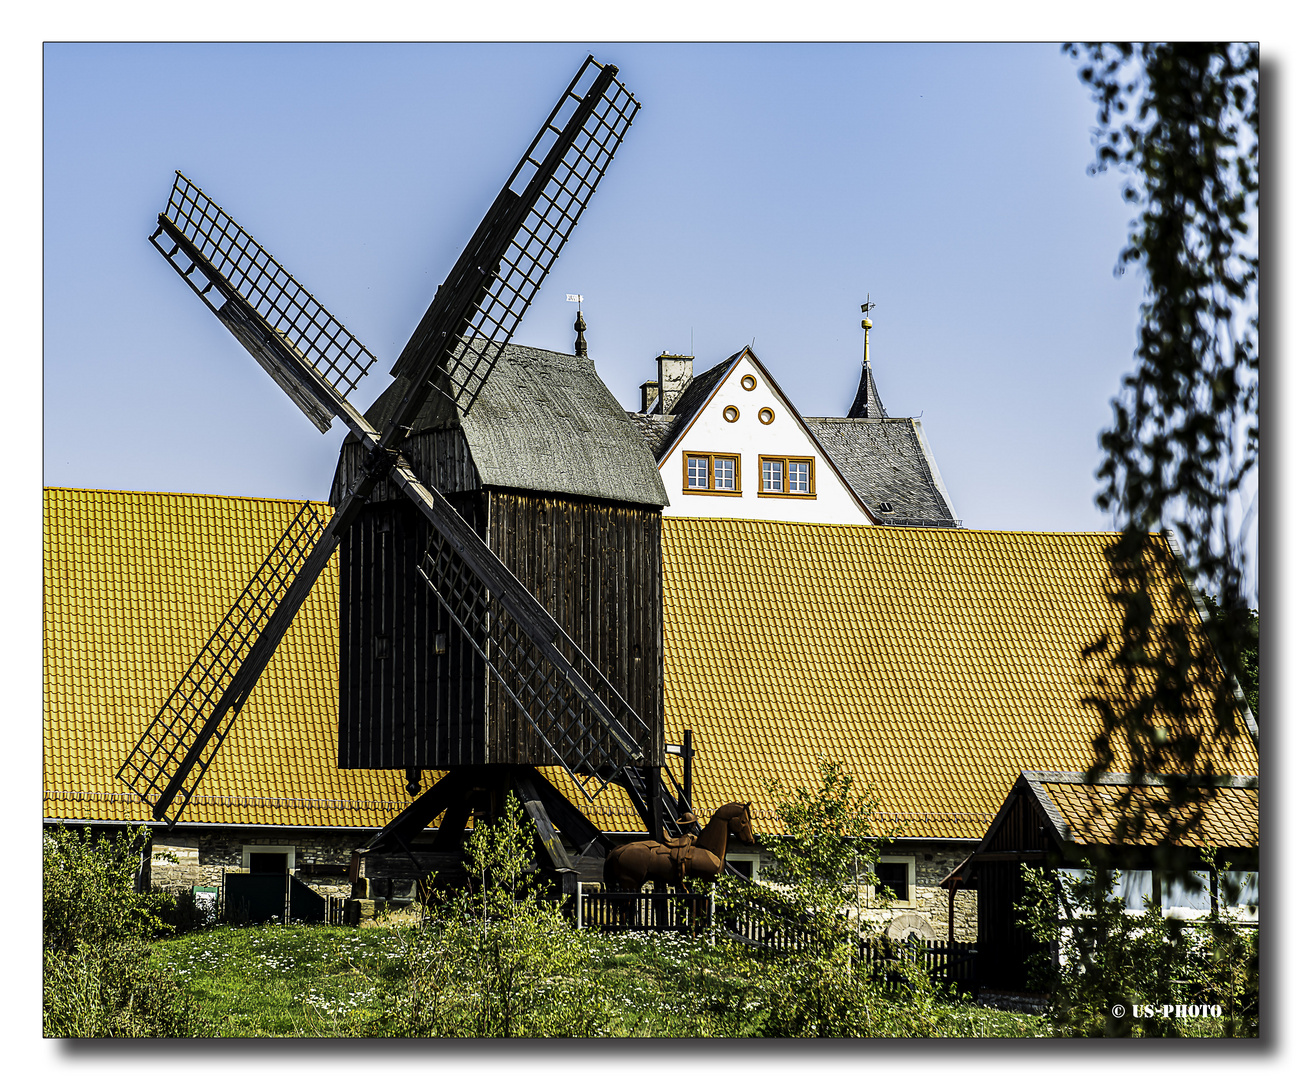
(499, 959)
(1107, 956)
(97, 980)
(813, 885)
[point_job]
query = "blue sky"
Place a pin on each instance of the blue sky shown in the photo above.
(762, 190)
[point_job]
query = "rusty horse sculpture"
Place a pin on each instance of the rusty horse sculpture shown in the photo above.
(631, 865)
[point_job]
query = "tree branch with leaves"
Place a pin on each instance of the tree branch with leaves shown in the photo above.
(1179, 122)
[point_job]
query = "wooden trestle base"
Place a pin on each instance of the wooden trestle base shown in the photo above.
(399, 851)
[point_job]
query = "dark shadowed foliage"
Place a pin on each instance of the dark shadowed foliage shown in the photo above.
(1179, 122)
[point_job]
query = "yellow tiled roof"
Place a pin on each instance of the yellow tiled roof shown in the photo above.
(1229, 817)
(935, 663)
(134, 584)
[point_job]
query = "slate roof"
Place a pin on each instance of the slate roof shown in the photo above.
(888, 464)
(867, 402)
(1088, 813)
(544, 421)
(659, 431)
(938, 663)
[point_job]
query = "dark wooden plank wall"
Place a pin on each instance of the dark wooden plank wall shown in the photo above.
(440, 458)
(596, 567)
(400, 703)
(1002, 946)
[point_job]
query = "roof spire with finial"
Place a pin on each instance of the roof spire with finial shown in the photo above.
(580, 342)
(867, 402)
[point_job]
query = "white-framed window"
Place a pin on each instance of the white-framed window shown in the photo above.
(267, 858)
(897, 873)
(711, 474)
(744, 865)
(698, 471)
(725, 473)
(786, 476)
(1132, 886)
(798, 476)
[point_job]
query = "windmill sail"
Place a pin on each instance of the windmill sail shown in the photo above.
(259, 301)
(511, 252)
(191, 725)
(318, 362)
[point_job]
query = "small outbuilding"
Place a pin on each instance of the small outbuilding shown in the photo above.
(1064, 821)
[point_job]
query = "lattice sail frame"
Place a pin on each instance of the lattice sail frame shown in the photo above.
(558, 198)
(555, 710)
(239, 268)
(182, 719)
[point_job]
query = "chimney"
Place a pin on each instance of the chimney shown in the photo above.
(675, 373)
(650, 391)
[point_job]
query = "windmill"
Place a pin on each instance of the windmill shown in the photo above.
(517, 691)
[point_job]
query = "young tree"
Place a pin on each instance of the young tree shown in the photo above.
(498, 960)
(1180, 123)
(810, 896)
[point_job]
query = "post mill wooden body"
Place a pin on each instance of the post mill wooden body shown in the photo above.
(572, 507)
(572, 510)
(471, 640)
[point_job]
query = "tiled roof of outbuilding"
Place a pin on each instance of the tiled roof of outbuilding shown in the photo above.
(1091, 811)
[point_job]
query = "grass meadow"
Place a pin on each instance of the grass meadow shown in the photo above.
(320, 981)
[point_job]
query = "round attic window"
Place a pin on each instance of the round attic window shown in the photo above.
(766, 416)
(748, 382)
(730, 414)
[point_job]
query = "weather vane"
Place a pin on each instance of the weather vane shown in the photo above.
(867, 304)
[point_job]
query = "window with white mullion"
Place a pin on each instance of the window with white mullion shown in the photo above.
(773, 476)
(798, 475)
(725, 474)
(698, 472)
(716, 474)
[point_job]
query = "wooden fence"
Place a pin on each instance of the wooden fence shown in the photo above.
(939, 960)
(696, 913)
(678, 912)
(335, 907)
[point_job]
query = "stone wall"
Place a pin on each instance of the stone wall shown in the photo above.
(927, 913)
(202, 856)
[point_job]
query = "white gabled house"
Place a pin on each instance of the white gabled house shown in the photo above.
(739, 448)
(730, 443)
